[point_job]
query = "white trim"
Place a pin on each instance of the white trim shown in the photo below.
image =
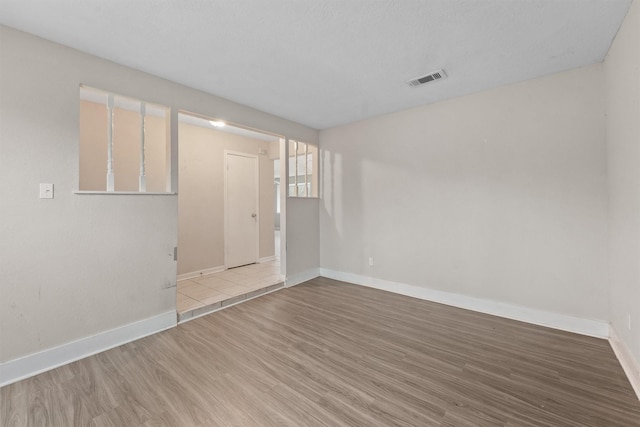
(629, 364)
(284, 172)
(36, 363)
(590, 327)
(266, 259)
(201, 273)
(297, 278)
(125, 193)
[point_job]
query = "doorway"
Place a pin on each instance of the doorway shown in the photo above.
(227, 209)
(241, 209)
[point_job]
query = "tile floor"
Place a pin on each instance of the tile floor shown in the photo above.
(207, 293)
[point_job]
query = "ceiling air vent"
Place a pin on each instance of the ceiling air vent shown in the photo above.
(419, 81)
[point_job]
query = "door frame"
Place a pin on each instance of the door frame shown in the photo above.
(256, 160)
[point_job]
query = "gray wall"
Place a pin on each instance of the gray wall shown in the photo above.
(622, 71)
(303, 238)
(499, 195)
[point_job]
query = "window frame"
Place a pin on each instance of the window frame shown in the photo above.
(308, 186)
(168, 146)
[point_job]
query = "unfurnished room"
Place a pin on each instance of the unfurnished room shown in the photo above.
(320, 213)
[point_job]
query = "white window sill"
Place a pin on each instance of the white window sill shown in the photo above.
(125, 193)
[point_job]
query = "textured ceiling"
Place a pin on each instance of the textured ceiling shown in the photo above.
(328, 62)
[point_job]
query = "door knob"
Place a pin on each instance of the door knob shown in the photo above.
(254, 215)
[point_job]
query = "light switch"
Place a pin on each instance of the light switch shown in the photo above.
(46, 191)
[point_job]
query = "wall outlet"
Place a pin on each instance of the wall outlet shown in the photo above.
(370, 261)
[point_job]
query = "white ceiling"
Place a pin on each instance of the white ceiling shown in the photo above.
(328, 62)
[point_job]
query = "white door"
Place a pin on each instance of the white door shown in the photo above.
(241, 210)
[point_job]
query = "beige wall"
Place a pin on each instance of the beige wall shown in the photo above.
(499, 195)
(622, 71)
(201, 196)
(126, 149)
(79, 265)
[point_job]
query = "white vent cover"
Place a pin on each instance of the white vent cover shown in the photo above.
(433, 76)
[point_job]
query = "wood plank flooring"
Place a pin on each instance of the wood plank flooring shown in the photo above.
(326, 353)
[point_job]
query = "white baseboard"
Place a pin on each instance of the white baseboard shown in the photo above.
(199, 273)
(594, 328)
(297, 278)
(267, 259)
(33, 364)
(630, 365)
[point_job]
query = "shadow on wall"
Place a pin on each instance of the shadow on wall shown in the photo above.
(334, 231)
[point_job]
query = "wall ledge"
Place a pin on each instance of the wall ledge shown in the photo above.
(46, 360)
(124, 193)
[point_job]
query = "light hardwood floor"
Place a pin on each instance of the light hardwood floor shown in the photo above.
(326, 353)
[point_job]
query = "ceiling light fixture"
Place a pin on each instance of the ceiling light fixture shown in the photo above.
(217, 123)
